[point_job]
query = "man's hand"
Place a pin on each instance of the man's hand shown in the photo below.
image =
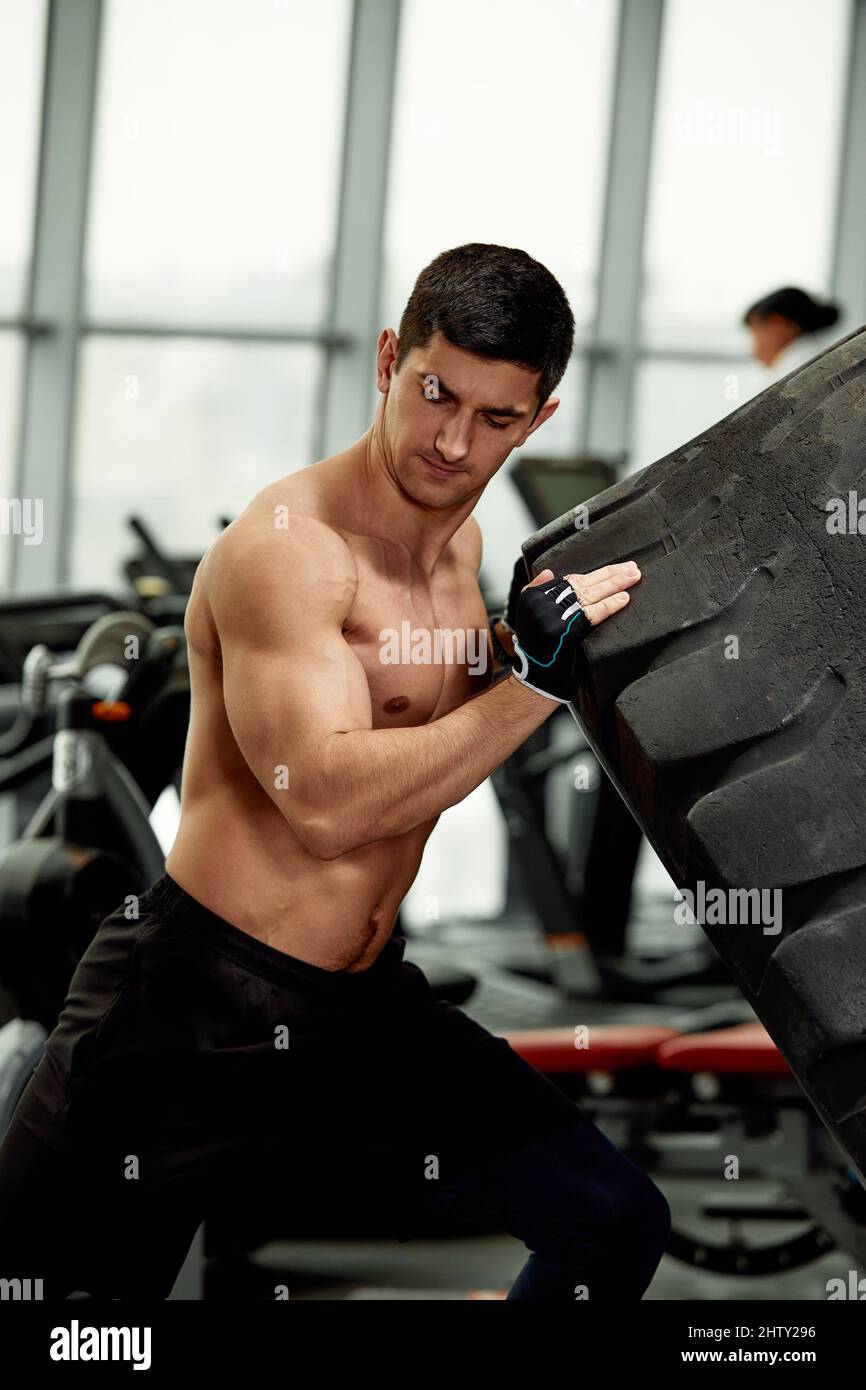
(552, 617)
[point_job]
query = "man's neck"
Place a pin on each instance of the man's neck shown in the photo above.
(380, 506)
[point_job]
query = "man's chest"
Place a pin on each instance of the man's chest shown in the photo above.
(423, 646)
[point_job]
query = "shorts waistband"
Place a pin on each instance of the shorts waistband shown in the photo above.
(167, 896)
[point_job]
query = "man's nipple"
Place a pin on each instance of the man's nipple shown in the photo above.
(397, 705)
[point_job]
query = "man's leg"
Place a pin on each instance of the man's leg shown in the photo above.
(596, 1224)
(35, 1205)
(484, 1134)
(162, 1061)
(92, 1225)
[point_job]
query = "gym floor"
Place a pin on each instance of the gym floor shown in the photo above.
(448, 1268)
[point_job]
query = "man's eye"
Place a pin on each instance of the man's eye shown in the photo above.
(442, 400)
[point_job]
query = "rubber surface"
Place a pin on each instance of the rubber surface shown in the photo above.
(744, 760)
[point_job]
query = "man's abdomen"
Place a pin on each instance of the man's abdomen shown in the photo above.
(249, 868)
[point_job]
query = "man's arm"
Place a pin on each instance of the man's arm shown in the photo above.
(474, 551)
(394, 779)
(296, 697)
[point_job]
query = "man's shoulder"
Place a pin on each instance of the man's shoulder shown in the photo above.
(278, 543)
(467, 543)
(285, 514)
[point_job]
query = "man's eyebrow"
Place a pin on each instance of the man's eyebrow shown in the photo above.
(510, 410)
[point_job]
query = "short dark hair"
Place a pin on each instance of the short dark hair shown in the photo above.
(497, 302)
(796, 305)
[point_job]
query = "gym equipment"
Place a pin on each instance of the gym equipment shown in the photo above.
(56, 621)
(727, 702)
(155, 574)
(551, 486)
(21, 1044)
(158, 585)
(55, 888)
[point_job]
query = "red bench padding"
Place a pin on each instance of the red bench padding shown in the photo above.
(745, 1049)
(552, 1050)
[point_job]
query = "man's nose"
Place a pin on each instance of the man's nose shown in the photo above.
(453, 440)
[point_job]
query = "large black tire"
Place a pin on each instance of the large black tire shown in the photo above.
(750, 771)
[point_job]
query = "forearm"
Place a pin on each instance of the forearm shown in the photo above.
(382, 782)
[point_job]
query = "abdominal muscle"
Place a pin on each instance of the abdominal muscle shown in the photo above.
(249, 870)
(236, 854)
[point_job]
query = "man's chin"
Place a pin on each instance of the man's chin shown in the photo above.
(438, 472)
(423, 485)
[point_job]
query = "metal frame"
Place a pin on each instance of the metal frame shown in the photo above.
(357, 273)
(53, 300)
(849, 270)
(610, 372)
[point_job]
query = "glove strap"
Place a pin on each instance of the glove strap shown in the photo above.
(519, 671)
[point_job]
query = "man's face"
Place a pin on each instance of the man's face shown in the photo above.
(453, 418)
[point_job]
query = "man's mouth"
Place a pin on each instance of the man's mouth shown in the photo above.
(441, 469)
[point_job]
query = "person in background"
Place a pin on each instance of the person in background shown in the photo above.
(788, 327)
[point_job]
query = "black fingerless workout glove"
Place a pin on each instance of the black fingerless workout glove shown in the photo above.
(550, 626)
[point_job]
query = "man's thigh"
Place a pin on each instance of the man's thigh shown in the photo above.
(473, 1097)
(451, 1098)
(340, 1191)
(409, 1098)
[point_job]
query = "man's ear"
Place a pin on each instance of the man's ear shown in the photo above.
(386, 357)
(550, 405)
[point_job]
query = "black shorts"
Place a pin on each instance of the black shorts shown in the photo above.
(195, 1069)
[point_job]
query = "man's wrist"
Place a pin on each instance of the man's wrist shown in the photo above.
(537, 691)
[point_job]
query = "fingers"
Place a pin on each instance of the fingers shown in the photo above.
(597, 612)
(601, 585)
(624, 570)
(601, 592)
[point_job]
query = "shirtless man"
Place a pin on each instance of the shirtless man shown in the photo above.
(315, 770)
(287, 666)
